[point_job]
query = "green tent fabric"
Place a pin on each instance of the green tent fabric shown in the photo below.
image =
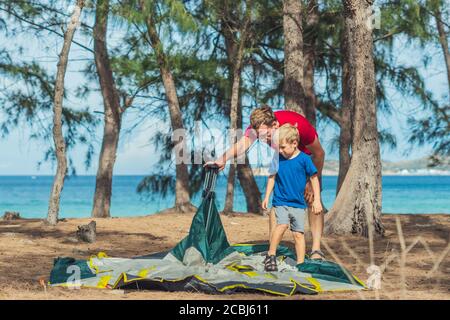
(204, 261)
(328, 270)
(65, 267)
(319, 269)
(206, 235)
(249, 249)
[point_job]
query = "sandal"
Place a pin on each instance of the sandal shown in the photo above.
(318, 252)
(270, 264)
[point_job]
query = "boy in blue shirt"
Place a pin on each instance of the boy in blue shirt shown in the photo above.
(289, 172)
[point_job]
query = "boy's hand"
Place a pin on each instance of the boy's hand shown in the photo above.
(317, 207)
(265, 203)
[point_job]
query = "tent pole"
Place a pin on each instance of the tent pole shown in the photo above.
(211, 195)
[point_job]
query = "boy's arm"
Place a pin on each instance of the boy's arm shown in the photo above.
(269, 189)
(270, 185)
(317, 203)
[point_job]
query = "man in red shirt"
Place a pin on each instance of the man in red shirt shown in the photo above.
(263, 123)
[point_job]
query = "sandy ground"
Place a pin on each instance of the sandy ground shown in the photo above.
(27, 250)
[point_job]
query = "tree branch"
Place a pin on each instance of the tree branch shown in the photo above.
(328, 109)
(44, 28)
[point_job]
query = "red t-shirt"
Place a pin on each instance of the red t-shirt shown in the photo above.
(306, 131)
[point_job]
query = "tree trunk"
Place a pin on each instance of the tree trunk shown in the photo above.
(112, 114)
(345, 119)
(249, 186)
(235, 57)
(357, 208)
(294, 94)
(444, 43)
(309, 53)
(58, 138)
(247, 179)
(182, 196)
(229, 199)
(345, 140)
(234, 109)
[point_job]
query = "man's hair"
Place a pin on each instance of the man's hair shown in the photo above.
(262, 115)
(288, 133)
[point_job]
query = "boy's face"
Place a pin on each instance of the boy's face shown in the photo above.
(287, 149)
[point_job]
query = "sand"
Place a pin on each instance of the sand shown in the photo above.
(28, 247)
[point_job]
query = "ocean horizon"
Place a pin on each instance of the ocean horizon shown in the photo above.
(29, 195)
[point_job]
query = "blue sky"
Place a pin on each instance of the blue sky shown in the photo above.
(19, 156)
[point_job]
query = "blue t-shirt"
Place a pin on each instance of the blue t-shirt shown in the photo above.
(290, 180)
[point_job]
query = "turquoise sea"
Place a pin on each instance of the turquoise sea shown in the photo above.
(29, 195)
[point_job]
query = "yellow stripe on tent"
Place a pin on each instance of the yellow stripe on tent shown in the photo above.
(103, 282)
(315, 283)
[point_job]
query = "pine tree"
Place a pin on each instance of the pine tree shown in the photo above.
(358, 209)
(60, 144)
(27, 97)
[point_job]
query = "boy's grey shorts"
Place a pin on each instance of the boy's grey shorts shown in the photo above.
(295, 217)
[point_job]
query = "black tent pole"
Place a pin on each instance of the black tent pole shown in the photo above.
(212, 177)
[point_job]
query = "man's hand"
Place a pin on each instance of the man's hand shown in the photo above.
(309, 193)
(317, 207)
(233, 152)
(218, 163)
(265, 203)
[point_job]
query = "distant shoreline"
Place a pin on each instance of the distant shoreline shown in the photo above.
(324, 173)
(398, 174)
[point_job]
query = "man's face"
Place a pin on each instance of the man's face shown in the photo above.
(287, 149)
(265, 132)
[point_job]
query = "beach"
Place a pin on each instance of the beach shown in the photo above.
(28, 248)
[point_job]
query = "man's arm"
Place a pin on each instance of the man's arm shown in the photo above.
(317, 156)
(234, 151)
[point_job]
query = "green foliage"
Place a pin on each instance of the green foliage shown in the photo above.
(157, 183)
(27, 92)
(193, 39)
(434, 129)
(29, 99)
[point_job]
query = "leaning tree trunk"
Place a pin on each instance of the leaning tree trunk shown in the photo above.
(182, 196)
(229, 198)
(345, 119)
(112, 114)
(345, 140)
(247, 179)
(444, 43)
(58, 138)
(294, 94)
(234, 106)
(309, 54)
(249, 186)
(357, 208)
(235, 56)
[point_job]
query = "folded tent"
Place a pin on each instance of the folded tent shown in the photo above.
(204, 261)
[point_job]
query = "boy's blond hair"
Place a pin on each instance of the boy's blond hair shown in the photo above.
(288, 133)
(262, 115)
